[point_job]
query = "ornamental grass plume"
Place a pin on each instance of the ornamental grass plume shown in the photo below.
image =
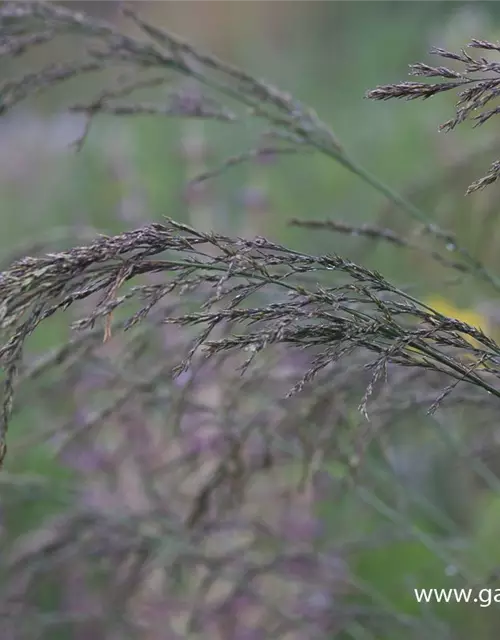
(34, 289)
(200, 510)
(478, 82)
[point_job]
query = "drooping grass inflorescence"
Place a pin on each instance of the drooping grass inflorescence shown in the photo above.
(217, 391)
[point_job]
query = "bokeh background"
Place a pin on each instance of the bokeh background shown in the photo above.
(133, 170)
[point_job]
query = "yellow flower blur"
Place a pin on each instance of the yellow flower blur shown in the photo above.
(469, 316)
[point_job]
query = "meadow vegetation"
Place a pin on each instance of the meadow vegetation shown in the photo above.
(207, 434)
